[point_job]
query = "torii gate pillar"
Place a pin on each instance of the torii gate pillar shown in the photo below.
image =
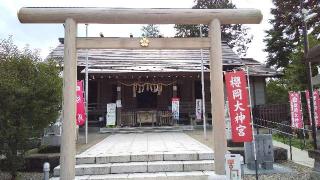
(217, 96)
(68, 135)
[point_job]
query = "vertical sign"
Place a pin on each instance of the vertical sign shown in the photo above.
(295, 109)
(239, 110)
(308, 105)
(198, 109)
(316, 105)
(111, 114)
(175, 108)
(81, 115)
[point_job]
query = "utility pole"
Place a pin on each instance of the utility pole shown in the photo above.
(309, 75)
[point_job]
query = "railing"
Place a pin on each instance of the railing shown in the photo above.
(272, 113)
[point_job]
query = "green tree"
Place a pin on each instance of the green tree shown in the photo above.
(30, 99)
(277, 92)
(150, 30)
(285, 35)
(294, 77)
(236, 35)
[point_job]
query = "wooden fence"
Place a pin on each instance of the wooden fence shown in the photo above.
(271, 112)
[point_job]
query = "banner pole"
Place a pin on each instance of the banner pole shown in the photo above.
(203, 93)
(253, 138)
(87, 94)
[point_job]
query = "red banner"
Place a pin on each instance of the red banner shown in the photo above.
(237, 94)
(81, 115)
(308, 105)
(316, 105)
(295, 109)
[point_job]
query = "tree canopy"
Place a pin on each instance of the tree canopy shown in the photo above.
(286, 33)
(294, 77)
(150, 30)
(236, 35)
(30, 99)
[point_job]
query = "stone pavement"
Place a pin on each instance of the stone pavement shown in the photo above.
(298, 156)
(146, 143)
(173, 155)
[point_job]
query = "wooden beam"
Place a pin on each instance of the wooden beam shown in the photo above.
(138, 16)
(134, 43)
(68, 136)
(217, 97)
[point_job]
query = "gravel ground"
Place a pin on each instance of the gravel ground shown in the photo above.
(299, 172)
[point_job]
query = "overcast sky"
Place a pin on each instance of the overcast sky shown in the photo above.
(45, 37)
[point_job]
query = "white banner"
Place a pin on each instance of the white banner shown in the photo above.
(198, 109)
(111, 114)
(175, 108)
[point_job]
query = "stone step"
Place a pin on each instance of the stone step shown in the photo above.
(192, 175)
(147, 157)
(141, 167)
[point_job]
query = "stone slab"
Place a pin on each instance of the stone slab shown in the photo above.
(213, 176)
(146, 176)
(109, 177)
(165, 166)
(87, 169)
(139, 157)
(112, 158)
(197, 175)
(155, 156)
(180, 156)
(85, 160)
(93, 169)
(206, 155)
(132, 167)
(204, 165)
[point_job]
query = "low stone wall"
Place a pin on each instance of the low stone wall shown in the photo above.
(280, 154)
(34, 162)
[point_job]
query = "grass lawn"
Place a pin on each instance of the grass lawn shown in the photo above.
(295, 142)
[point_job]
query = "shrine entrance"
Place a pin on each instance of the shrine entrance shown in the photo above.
(72, 16)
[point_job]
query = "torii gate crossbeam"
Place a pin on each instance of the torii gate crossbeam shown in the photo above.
(72, 16)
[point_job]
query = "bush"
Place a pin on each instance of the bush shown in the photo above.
(30, 98)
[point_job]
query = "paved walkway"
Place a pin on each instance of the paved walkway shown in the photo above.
(298, 156)
(146, 143)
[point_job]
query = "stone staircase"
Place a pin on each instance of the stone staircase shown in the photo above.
(158, 165)
(145, 156)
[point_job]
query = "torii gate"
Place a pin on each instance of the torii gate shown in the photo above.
(71, 16)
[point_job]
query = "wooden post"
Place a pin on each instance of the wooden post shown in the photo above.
(68, 136)
(217, 97)
(119, 108)
(174, 90)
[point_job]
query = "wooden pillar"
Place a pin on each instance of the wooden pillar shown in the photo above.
(217, 97)
(119, 108)
(174, 90)
(68, 136)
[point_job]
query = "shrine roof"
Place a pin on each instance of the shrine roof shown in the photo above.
(164, 60)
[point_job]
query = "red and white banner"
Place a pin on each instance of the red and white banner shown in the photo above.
(175, 108)
(81, 114)
(238, 106)
(316, 106)
(308, 106)
(295, 109)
